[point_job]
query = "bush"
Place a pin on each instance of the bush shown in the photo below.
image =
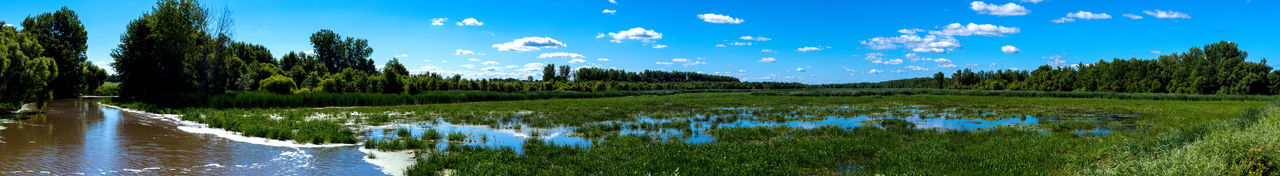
(108, 89)
(278, 84)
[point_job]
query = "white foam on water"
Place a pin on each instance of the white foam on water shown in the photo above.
(298, 156)
(392, 163)
(200, 128)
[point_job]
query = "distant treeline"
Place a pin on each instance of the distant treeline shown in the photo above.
(181, 48)
(45, 60)
(1218, 68)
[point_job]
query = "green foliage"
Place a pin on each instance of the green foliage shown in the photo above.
(64, 40)
(24, 74)
(107, 89)
(457, 137)
(1012, 93)
(598, 74)
(164, 52)
(337, 54)
(277, 84)
(1219, 68)
(91, 78)
(392, 77)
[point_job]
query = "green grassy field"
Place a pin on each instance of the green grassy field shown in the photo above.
(1167, 137)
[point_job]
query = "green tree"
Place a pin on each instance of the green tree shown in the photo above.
(24, 74)
(158, 52)
(337, 54)
(392, 77)
(63, 39)
(91, 77)
(277, 84)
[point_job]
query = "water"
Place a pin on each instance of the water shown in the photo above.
(694, 129)
(78, 137)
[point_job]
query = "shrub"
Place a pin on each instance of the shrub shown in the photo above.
(278, 84)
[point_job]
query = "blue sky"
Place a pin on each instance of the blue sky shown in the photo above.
(859, 41)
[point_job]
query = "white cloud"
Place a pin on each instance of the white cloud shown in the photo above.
(756, 38)
(875, 71)
(529, 44)
(490, 69)
(533, 66)
(679, 60)
(403, 55)
(721, 45)
(926, 44)
(577, 61)
(741, 43)
(309, 52)
(607, 11)
(1132, 16)
(1009, 9)
(798, 69)
(916, 68)
(1154, 52)
(768, 60)
(105, 65)
(888, 62)
(851, 71)
(719, 19)
(946, 65)
(470, 22)
(1009, 49)
(438, 21)
(910, 31)
(1055, 60)
(811, 48)
(989, 30)
(633, 34)
(1064, 20)
(1166, 14)
(462, 52)
(489, 63)
(878, 58)
(663, 63)
(1089, 15)
(559, 55)
(768, 51)
(659, 46)
(1031, 1)
(468, 66)
(613, 1)
(602, 59)
(473, 59)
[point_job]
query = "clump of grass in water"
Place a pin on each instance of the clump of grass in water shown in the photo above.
(457, 137)
(431, 135)
(403, 133)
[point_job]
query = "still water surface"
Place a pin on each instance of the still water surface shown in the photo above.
(76, 137)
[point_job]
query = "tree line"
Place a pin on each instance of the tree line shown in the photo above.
(45, 60)
(182, 48)
(1217, 68)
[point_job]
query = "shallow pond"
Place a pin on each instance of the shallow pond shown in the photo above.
(694, 129)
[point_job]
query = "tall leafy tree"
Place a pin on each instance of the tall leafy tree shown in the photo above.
(337, 53)
(63, 39)
(168, 50)
(24, 74)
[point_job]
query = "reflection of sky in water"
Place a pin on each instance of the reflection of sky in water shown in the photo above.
(509, 137)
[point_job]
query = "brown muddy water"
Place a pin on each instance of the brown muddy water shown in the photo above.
(80, 137)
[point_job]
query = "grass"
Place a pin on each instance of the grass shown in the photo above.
(896, 149)
(1204, 137)
(1011, 93)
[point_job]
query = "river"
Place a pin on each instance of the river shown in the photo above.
(80, 137)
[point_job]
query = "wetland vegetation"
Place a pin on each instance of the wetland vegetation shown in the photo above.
(1206, 111)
